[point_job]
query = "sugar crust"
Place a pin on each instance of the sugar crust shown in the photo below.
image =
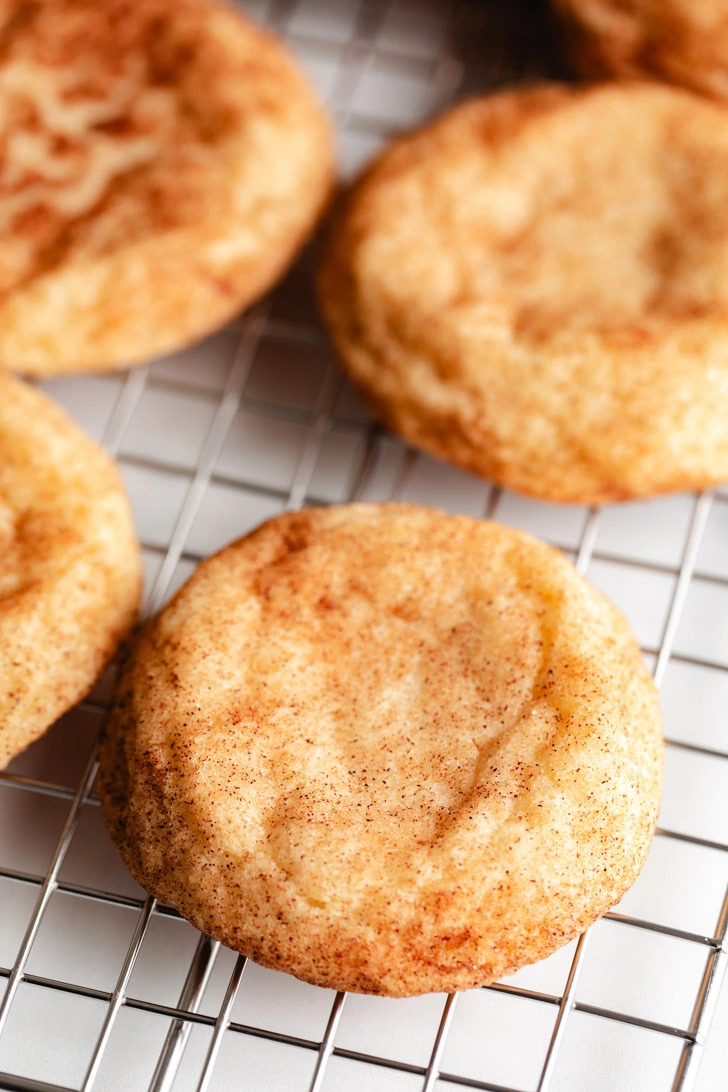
(535, 287)
(70, 577)
(385, 750)
(162, 162)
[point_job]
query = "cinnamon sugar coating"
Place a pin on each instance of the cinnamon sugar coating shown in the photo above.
(161, 162)
(385, 750)
(535, 287)
(683, 41)
(70, 574)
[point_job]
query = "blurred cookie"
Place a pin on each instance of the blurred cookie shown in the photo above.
(683, 41)
(70, 577)
(163, 162)
(385, 750)
(535, 287)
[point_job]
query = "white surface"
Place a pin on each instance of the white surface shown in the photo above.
(293, 422)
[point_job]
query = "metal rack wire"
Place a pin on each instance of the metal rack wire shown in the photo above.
(382, 63)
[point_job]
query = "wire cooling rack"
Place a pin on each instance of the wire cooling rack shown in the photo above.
(103, 989)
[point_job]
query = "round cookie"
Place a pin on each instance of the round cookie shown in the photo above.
(163, 162)
(70, 578)
(683, 41)
(386, 750)
(535, 287)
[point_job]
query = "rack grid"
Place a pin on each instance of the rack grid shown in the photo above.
(103, 989)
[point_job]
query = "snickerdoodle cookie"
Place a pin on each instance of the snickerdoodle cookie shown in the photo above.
(70, 572)
(683, 41)
(535, 287)
(386, 750)
(163, 160)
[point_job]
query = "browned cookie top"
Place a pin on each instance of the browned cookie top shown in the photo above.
(535, 286)
(386, 750)
(69, 568)
(683, 41)
(160, 161)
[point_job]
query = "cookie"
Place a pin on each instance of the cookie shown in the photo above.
(70, 576)
(163, 162)
(682, 41)
(535, 287)
(386, 750)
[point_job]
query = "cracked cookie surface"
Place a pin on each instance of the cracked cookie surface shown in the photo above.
(161, 161)
(70, 577)
(535, 287)
(385, 750)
